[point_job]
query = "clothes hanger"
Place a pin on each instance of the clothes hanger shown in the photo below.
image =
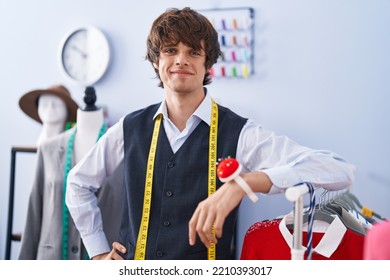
(320, 213)
(364, 210)
(330, 206)
(349, 221)
(352, 206)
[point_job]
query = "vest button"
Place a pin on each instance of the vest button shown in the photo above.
(159, 253)
(74, 249)
(167, 223)
(171, 164)
(169, 193)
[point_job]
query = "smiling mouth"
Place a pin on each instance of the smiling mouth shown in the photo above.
(181, 73)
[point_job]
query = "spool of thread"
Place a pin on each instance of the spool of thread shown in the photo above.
(233, 56)
(245, 70)
(234, 40)
(211, 71)
(234, 71)
(244, 55)
(223, 41)
(235, 25)
(223, 24)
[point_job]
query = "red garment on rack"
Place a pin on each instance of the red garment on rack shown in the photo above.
(264, 241)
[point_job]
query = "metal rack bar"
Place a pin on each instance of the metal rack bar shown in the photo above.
(10, 235)
(295, 194)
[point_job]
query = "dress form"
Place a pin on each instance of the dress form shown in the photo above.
(89, 123)
(53, 113)
(56, 157)
(49, 130)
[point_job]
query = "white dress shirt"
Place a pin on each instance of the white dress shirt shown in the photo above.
(284, 161)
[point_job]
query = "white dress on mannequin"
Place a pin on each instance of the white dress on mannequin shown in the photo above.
(52, 110)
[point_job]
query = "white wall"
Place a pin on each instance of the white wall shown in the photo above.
(322, 72)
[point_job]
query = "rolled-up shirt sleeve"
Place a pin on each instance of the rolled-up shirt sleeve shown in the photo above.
(288, 164)
(84, 179)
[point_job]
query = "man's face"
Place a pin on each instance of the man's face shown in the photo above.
(181, 68)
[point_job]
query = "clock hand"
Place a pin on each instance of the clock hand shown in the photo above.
(83, 54)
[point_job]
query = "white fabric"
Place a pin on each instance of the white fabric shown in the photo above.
(329, 242)
(89, 124)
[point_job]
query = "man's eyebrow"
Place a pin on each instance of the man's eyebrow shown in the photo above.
(175, 45)
(168, 46)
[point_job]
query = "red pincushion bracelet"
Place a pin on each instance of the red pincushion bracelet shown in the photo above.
(229, 169)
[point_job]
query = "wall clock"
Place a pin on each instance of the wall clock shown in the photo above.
(84, 55)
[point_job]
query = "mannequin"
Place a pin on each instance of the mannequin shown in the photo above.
(89, 124)
(53, 112)
(49, 232)
(53, 107)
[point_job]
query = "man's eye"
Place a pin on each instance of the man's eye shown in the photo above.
(169, 51)
(196, 53)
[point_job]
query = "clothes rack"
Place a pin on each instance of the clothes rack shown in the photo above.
(328, 224)
(295, 194)
(10, 235)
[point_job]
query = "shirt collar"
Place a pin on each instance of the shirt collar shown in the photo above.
(203, 111)
(329, 242)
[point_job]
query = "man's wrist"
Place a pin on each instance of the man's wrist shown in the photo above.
(246, 188)
(100, 256)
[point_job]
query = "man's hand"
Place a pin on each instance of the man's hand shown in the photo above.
(113, 255)
(213, 211)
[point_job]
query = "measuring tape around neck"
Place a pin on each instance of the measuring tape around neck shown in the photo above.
(212, 183)
(140, 249)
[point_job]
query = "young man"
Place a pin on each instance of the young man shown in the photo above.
(168, 213)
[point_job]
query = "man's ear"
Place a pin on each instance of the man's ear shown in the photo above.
(155, 65)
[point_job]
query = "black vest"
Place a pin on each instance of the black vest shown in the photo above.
(180, 182)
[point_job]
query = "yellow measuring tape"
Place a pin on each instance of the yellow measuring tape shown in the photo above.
(140, 249)
(212, 185)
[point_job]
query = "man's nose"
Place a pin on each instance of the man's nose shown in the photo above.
(181, 59)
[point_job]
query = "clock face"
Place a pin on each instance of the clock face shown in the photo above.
(84, 55)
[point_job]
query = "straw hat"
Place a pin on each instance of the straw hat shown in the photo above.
(29, 102)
